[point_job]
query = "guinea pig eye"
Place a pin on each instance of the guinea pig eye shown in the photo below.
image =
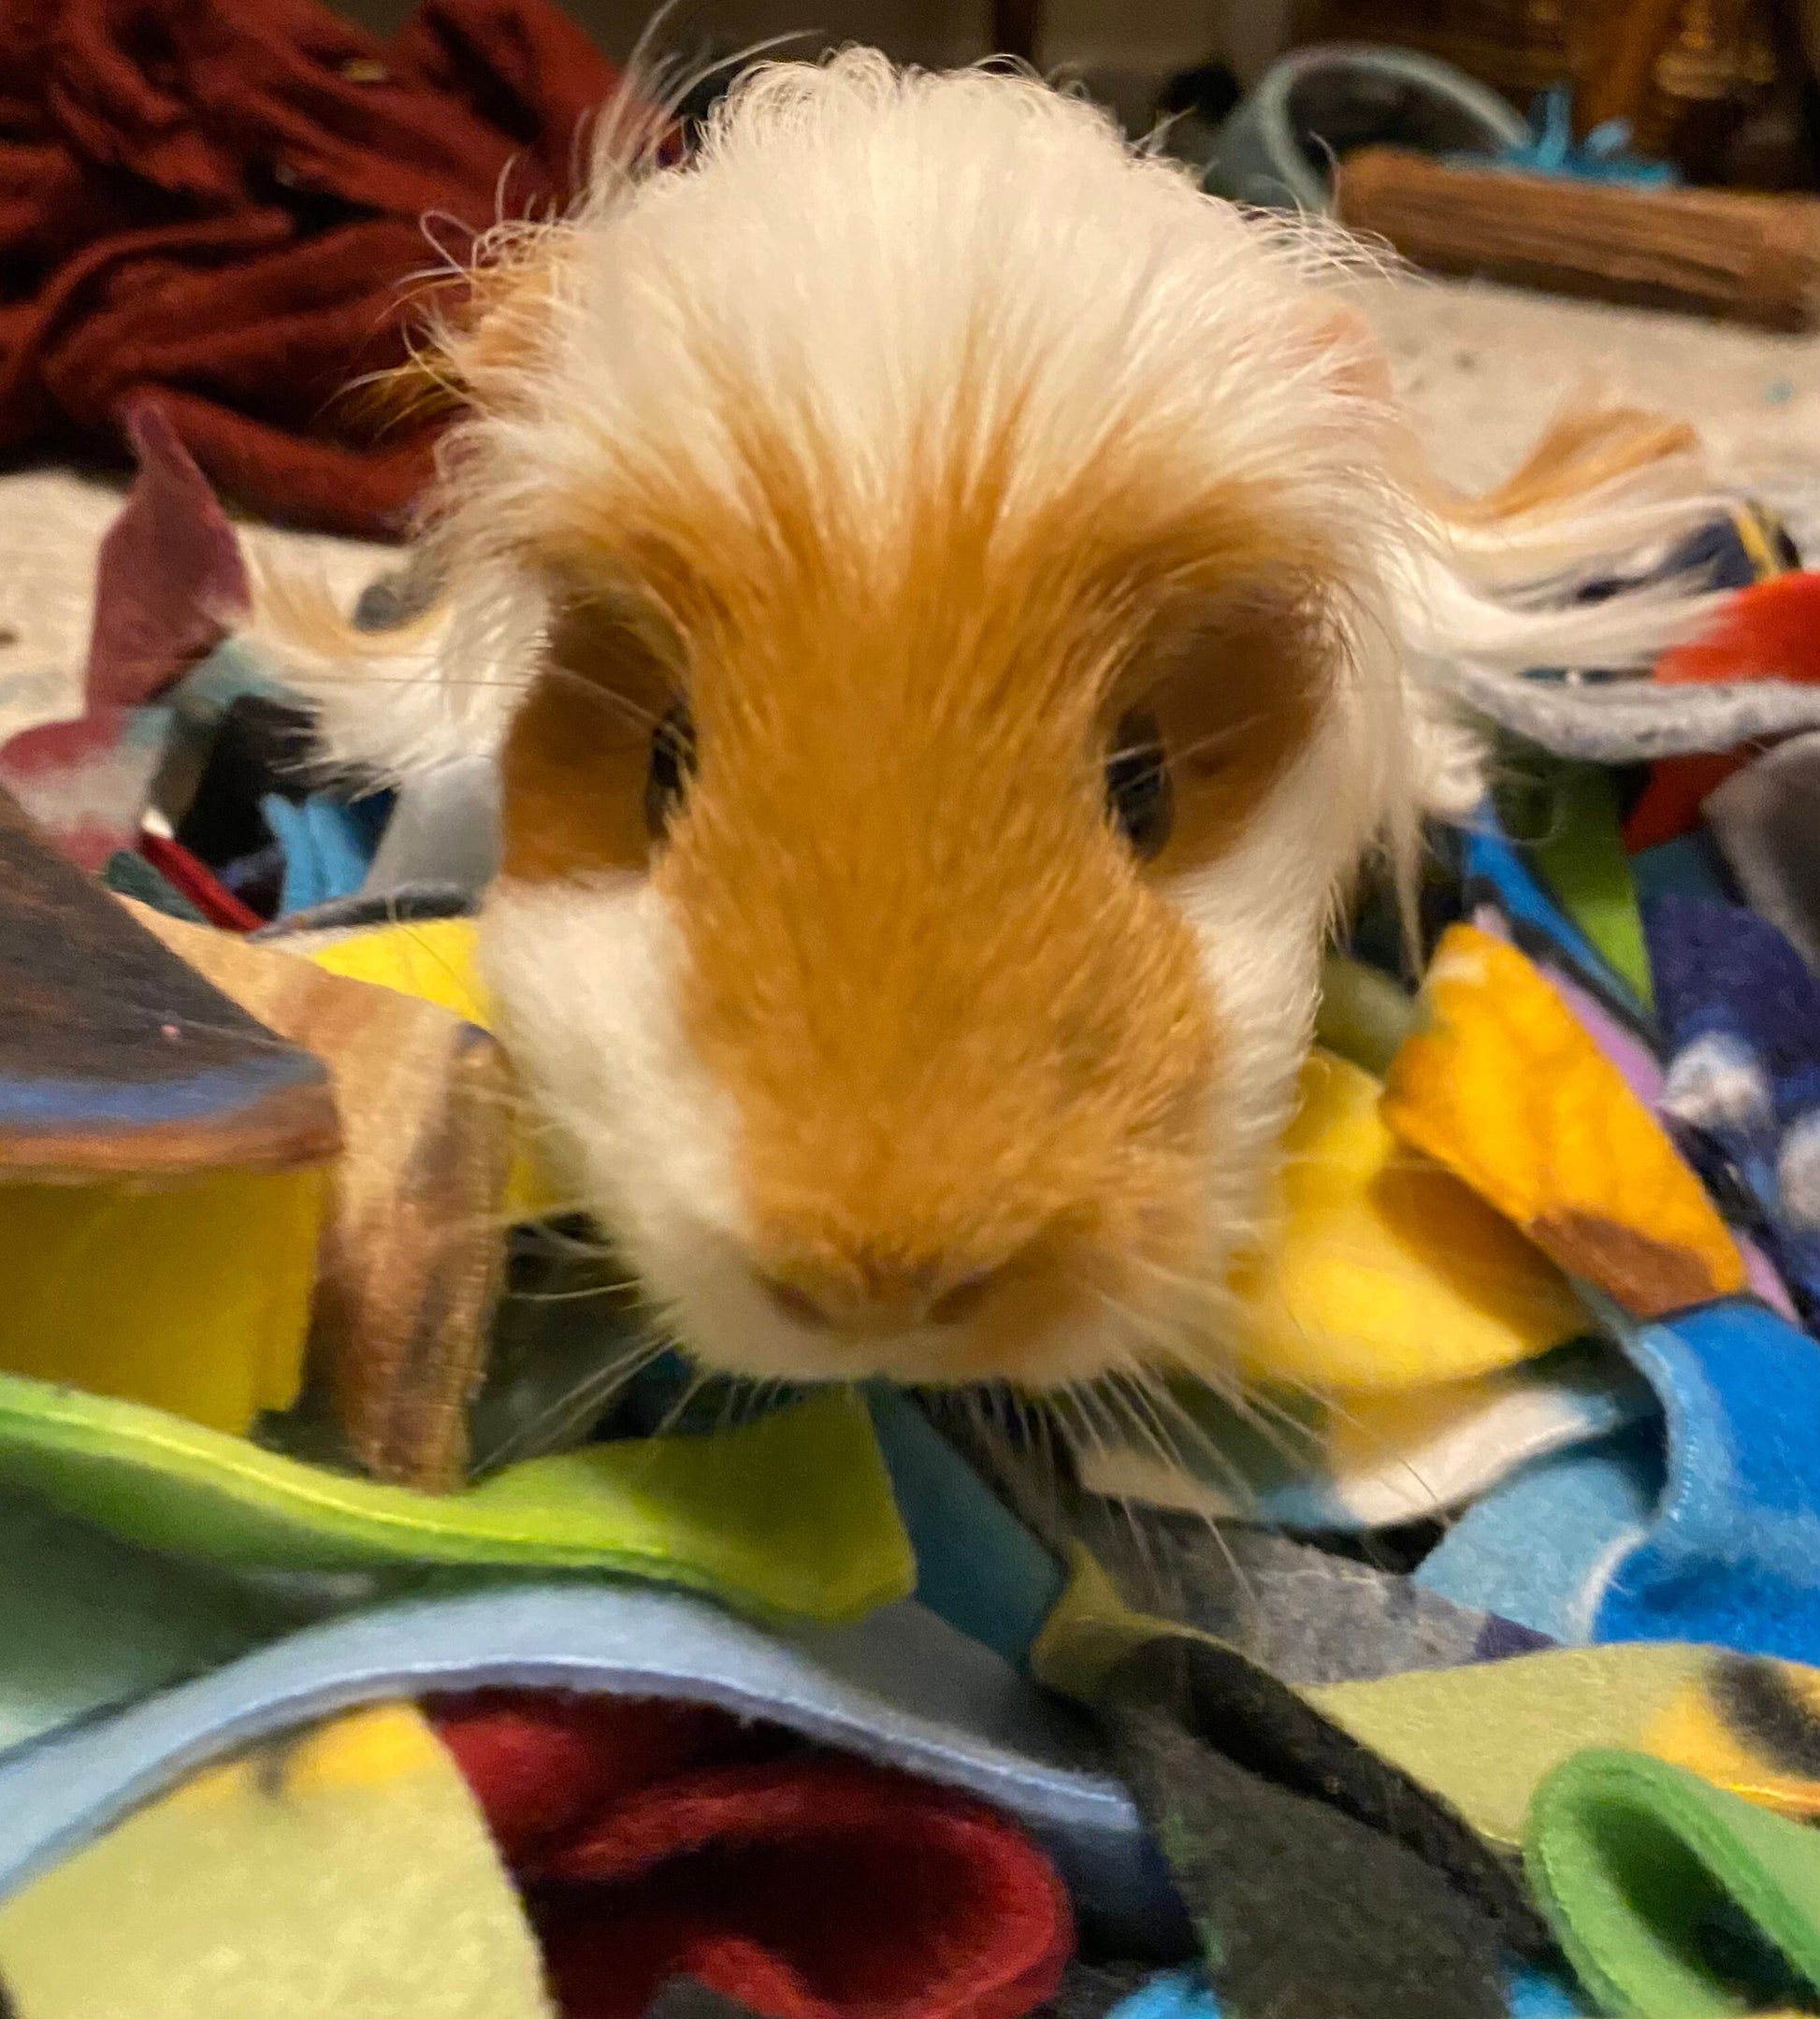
(1138, 789)
(673, 764)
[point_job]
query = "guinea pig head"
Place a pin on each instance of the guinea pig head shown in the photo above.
(941, 758)
(892, 924)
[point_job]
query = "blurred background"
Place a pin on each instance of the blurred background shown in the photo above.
(1723, 88)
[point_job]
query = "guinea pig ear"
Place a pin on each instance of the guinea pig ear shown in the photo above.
(1339, 333)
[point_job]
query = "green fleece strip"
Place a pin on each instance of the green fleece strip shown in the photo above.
(1643, 1869)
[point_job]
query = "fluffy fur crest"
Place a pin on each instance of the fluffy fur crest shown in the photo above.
(657, 289)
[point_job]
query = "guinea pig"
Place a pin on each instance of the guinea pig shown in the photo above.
(955, 607)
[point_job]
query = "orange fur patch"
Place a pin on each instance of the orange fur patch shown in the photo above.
(1236, 695)
(470, 335)
(573, 768)
(1583, 448)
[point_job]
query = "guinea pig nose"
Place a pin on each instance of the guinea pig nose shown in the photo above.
(794, 1303)
(962, 1300)
(862, 1292)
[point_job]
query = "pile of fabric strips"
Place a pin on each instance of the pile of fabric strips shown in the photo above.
(1471, 1667)
(1474, 1668)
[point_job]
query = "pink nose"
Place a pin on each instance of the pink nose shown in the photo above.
(874, 1297)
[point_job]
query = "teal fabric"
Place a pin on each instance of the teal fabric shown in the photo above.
(977, 1566)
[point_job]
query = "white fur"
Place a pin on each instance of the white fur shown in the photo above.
(843, 232)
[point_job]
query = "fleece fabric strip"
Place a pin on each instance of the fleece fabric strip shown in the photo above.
(1485, 1737)
(343, 1870)
(901, 1689)
(1185, 1994)
(1742, 1087)
(1672, 1898)
(651, 1836)
(1711, 1534)
(1260, 1805)
(88, 1622)
(1365, 1461)
(790, 1516)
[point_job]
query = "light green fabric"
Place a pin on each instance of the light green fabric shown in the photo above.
(1640, 1866)
(1580, 850)
(342, 1873)
(1484, 1735)
(1362, 1015)
(790, 1516)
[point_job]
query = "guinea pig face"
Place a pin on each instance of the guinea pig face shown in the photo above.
(915, 937)
(957, 705)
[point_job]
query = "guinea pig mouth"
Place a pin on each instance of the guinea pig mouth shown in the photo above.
(1032, 1327)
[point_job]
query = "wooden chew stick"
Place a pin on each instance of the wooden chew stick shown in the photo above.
(414, 1241)
(1752, 259)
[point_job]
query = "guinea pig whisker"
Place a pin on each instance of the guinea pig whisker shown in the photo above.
(741, 1402)
(1196, 1439)
(1096, 1444)
(1105, 1404)
(1214, 740)
(1364, 1433)
(677, 1411)
(587, 1400)
(1076, 1424)
(1292, 1437)
(607, 1288)
(1152, 1397)
(432, 676)
(1037, 1434)
(760, 1397)
(599, 692)
(1281, 1426)
(1160, 1446)
(1140, 1411)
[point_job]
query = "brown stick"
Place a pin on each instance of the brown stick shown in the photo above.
(1753, 259)
(412, 1249)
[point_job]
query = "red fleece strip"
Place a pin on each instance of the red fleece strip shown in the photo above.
(195, 881)
(655, 1839)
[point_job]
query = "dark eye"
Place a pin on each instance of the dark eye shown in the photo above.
(673, 765)
(1137, 787)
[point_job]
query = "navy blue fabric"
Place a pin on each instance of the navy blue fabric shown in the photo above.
(1722, 968)
(1741, 1012)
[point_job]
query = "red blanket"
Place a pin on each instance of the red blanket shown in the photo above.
(219, 200)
